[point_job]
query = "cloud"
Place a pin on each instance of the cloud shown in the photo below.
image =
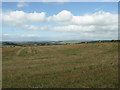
(30, 27)
(100, 24)
(87, 28)
(79, 36)
(33, 27)
(98, 18)
(62, 16)
(14, 18)
(21, 4)
(25, 37)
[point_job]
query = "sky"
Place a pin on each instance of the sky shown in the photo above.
(54, 21)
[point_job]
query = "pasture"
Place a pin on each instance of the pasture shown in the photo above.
(92, 65)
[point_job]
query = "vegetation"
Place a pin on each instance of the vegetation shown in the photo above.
(44, 43)
(91, 65)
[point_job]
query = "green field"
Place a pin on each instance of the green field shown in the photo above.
(92, 65)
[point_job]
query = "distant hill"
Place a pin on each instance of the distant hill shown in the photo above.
(42, 43)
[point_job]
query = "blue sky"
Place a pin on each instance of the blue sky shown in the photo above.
(59, 21)
(77, 8)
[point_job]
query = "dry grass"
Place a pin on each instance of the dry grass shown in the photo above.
(61, 66)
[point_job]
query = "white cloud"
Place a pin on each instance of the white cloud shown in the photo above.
(85, 28)
(100, 24)
(25, 37)
(79, 36)
(20, 17)
(36, 17)
(62, 16)
(98, 18)
(32, 27)
(21, 4)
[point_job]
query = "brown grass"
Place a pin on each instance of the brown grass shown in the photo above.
(63, 66)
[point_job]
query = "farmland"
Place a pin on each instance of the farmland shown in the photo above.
(91, 65)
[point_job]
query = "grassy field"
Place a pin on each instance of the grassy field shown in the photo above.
(92, 65)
